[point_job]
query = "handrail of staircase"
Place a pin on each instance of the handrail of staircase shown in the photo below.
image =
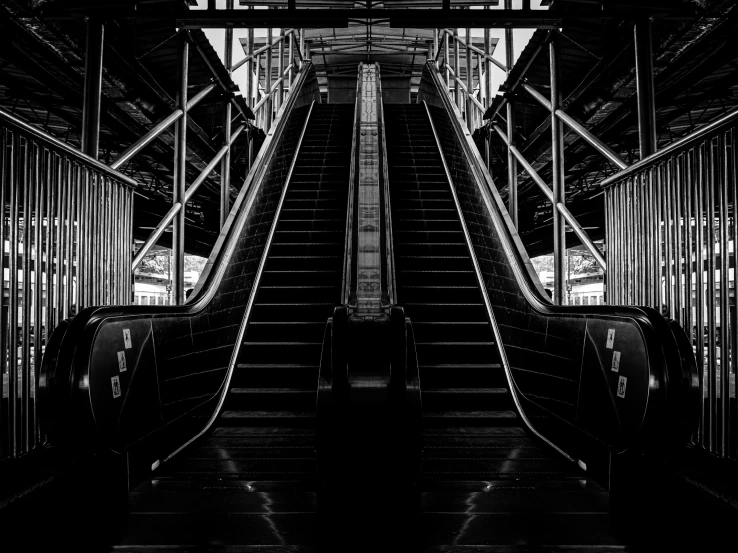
(674, 148)
(388, 259)
(13, 121)
(350, 246)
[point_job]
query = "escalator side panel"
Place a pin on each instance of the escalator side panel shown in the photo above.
(189, 346)
(547, 349)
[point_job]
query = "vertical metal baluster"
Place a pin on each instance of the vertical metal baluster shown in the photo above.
(63, 242)
(50, 243)
(677, 237)
(608, 244)
(70, 238)
(689, 322)
(6, 143)
(724, 297)
(96, 263)
(117, 244)
(623, 246)
(712, 301)
(699, 188)
(25, 378)
(669, 236)
(15, 185)
(107, 237)
(129, 244)
(38, 283)
(733, 418)
(647, 236)
(637, 243)
(654, 254)
(78, 252)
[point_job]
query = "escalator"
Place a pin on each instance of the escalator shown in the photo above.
(528, 424)
(264, 429)
(210, 431)
(208, 436)
(472, 431)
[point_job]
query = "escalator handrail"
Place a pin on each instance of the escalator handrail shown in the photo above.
(254, 289)
(485, 295)
(389, 258)
(349, 249)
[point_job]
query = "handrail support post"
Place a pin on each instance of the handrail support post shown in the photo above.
(178, 188)
(557, 158)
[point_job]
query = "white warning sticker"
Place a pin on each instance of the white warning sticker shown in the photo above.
(122, 361)
(610, 338)
(116, 386)
(616, 361)
(127, 338)
(622, 383)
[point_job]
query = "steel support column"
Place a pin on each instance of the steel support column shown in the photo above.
(178, 186)
(93, 87)
(268, 82)
(512, 164)
(225, 164)
(557, 157)
(280, 72)
(447, 59)
(469, 82)
(644, 81)
(457, 76)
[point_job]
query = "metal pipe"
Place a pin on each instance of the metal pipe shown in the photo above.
(159, 128)
(180, 160)
(225, 166)
(13, 297)
(469, 82)
(6, 176)
(588, 137)
(92, 87)
(645, 87)
(512, 168)
(38, 293)
(268, 82)
(457, 92)
(26, 202)
(154, 237)
(725, 368)
(291, 58)
(447, 62)
(280, 71)
(711, 182)
(559, 184)
(586, 241)
(268, 46)
(33, 133)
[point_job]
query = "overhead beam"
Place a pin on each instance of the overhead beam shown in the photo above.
(339, 18)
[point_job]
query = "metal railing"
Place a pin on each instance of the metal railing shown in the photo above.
(264, 95)
(67, 238)
(266, 99)
(468, 96)
(672, 237)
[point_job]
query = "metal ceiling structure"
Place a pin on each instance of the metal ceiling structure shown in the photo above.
(43, 64)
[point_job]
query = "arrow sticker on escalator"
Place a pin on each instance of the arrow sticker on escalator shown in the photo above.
(610, 338)
(622, 382)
